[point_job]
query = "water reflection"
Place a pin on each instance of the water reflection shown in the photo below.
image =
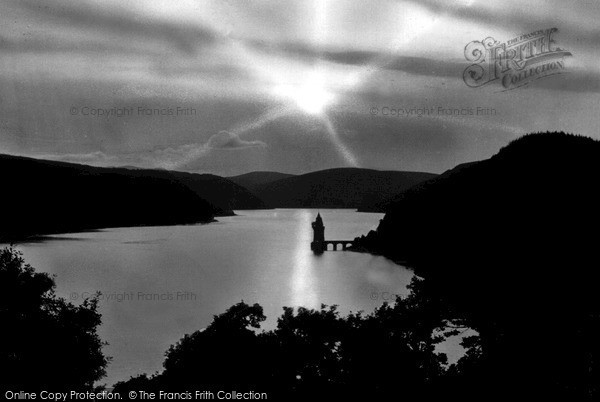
(259, 256)
(303, 281)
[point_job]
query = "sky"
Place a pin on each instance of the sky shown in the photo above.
(233, 86)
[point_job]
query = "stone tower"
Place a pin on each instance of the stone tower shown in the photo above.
(318, 243)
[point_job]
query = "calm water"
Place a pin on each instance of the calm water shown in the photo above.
(159, 283)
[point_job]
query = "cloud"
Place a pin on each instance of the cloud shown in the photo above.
(228, 61)
(169, 158)
(394, 62)
(178, 157)
(173, 155)
(227, 140)
(122, 20)
(97, 157)
(574, 16)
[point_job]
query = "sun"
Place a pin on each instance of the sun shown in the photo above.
(310, 96)
(312, 99)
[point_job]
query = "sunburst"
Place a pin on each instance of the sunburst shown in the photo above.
(309, 92)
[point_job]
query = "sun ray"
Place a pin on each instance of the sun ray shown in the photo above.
(320, 26)
(340, 146)
(308, 95)
(267, 117)
(304, 287)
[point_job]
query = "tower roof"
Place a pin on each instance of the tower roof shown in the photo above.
(319, 219)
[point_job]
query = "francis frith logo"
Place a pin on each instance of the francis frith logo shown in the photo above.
(516, 62)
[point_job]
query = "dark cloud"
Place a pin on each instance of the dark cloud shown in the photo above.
(184, 37)
(41, 45)
(106, 54)
(575, 81)
(388, 61)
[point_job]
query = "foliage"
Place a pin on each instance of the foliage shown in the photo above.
(310, 350)
(45, 341)
(509, 243)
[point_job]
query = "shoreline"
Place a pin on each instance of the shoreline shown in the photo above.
(42, 236)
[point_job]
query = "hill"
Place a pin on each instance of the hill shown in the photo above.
(253, 180)
(42, 197)
(338, 188)
(225, 194)
(509, 245)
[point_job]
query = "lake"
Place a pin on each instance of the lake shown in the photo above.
(159, 283)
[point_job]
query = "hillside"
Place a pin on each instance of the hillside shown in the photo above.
(225, 194)
(42, 197)
(509, 245)
(338, 188)
(253, 180)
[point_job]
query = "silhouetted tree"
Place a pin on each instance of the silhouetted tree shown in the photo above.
(311, 352)
(45, 342)
(509, 242)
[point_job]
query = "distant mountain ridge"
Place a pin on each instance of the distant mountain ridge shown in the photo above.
(221, 192)
(337, 188)
(57, 197)
(41, 197)
(254, 180)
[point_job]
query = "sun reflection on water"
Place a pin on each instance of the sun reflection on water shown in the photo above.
(303, 281)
